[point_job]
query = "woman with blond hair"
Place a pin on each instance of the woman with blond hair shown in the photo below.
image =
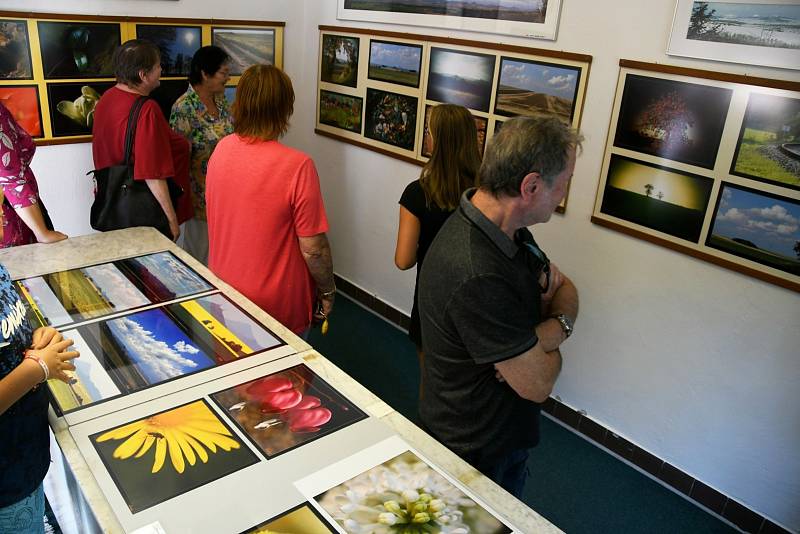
(427, 202)
(266, 218)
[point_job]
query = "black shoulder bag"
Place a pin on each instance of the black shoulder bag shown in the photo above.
(122, 202)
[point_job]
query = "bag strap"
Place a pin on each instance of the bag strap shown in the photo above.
(130, 130)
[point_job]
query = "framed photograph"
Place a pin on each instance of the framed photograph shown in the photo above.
(459, 77)
(528, 87)
(15, 51)
(72, 106)
(392, 62)
(391, 118)
(758, 226)
(768, 149)
(22, 101)
(246, 46)
(178, 45)
(673, 120)
(427, 141)
(157, 458)
(756, 32)
(340, 60)
(167, 93)
(341, 111)
(302, 518)
(230, 93)
(528, 18)
(78, 49)
(162, 276)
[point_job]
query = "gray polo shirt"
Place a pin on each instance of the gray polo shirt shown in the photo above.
(479, 302)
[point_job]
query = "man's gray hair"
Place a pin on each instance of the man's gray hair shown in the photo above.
(524, 145)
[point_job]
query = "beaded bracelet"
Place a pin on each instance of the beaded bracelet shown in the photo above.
(30, 356)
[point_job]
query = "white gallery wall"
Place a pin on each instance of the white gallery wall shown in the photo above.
(696, 364)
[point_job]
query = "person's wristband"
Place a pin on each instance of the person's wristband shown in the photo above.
(328, 294)
(30, 356)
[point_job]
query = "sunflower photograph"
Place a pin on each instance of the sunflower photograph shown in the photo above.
(170, 453)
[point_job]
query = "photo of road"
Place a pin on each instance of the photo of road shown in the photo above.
(245, 46)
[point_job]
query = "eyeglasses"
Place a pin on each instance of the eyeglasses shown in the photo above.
(542, 264)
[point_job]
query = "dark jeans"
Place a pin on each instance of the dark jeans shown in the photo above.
(509, 471)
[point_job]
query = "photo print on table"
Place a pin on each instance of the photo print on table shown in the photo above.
(673, 120)
(303, 519)
(177, 44)
(459, 77)
(246, 46)
(661, 199)
(427, 141)
(167, 454)
(285, 410)
(339, 60)
(72, 106)
(15, 51)
(529, 87)
(757, 226)
(78, 49)
(391, 118)
(22, 101)
(340, 111)
(769, 142)
(162, 276)
(398, 63)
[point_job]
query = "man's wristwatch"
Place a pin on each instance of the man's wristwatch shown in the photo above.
(565, 322)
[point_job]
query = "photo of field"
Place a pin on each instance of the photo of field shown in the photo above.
(658, 198)
(340, 60)
(760, 227)
(674, 120)
(23, 104)
(176, 43)
(78, 49)
(72, 106)
(772, 25)
(427, 140)
(221, 328)
(78, 294)
(769, 142)
(288, 409)
(391, 118)
(341, 111)
(42, 302)
(246, 47)
(303, 519)
(90, 381)
(15, 51)
(462, 78)
(162, 276)
(533, 11)
(157, 458)
(395, 62)
(530, 87)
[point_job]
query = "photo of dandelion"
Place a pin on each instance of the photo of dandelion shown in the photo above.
(169, 453)
(405, 495)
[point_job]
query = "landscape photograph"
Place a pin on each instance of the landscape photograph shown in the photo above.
(340, 111)
(78, 50)
(391, 118)
(72, 106)
(80, 296)
(530, 87)
(230, 93)
(114, 287)
(285, 410)
(757, 226)
(533, 11)
(162, 276)
(673, 120)
(43, 306)
(339, 60)
(15, 51)
(398, 63)
(427, 140)
(769, 142)
(246, 46)
(176, 43)
(463, 78)
(655, 197)
(23, 104)
(159, 457)
(773, 24)
(303, 519)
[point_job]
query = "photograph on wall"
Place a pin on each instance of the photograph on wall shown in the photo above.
(673, 120)
(167, 92)
(22, 101)
(246, 46)
(230, 93)
(15, 51)
(392, 491)
(176, 43)
(391, 118)
(167, 454)
(72, 106)
(162, 276)
(339, 60)
(661, 199)
(340, 111)
(463, 78)
(300, 519)
(769, 142)
(287, 409)
(529, 87)
(78, 49)
(757, 226)
(427, 140)
(398, 63)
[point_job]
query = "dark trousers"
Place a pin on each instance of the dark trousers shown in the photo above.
(509, 471)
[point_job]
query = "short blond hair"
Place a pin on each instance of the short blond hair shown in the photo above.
(264, 102)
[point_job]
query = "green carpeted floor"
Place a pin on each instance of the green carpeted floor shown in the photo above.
(574, 484)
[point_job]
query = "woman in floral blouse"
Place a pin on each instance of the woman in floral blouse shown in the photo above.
(202, 115)
(24, 221)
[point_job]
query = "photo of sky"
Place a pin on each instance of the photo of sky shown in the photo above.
(45, 300)
(395, 55)
(115, 287)
(547, 79)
